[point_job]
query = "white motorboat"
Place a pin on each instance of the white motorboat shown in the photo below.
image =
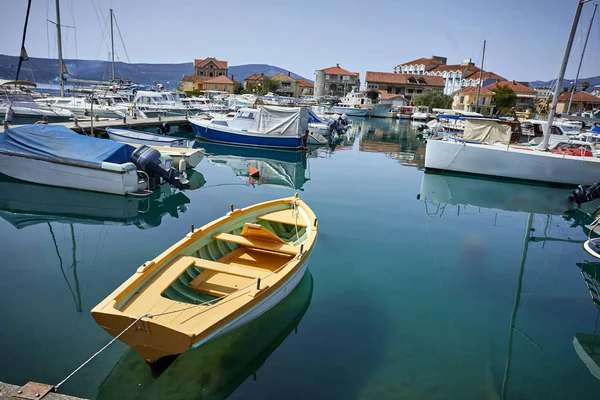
(149, 139)
(358, 105)
(56, 156)
(82, 106)
(420, 113)
(153, 104)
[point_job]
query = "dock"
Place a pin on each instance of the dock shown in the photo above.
(98, 127)
(8, 391)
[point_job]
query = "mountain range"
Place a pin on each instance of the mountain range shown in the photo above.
(567, 83)
(44, 70)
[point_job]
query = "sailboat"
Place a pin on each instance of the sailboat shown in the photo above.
(514, 163)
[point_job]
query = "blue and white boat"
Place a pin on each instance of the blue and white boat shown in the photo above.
(268, 126)
(149, 139)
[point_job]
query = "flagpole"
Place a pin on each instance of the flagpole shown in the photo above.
(23, 55)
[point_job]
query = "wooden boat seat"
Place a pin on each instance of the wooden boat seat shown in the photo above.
(284, 217)
(227, 268)
(256, 243)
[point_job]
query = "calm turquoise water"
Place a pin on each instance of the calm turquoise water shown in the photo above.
(407, 298)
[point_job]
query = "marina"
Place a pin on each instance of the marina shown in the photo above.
(461, 306)
(202, 230)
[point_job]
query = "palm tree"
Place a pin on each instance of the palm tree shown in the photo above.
(585, 85)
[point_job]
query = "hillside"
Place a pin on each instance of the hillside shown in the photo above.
(44, 70)
(594, 81)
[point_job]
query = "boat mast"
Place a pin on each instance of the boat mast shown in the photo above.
(561, 75)
(112, 42)
(23, 55)
(480, 76)
(574, 89)
(60, 59)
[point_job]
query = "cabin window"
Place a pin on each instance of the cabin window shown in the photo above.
(224, 87)
(211, 74)
(346, 78)
(461, 100)
(216, 87)
(326, 76)
(211, 66)
(201, 73)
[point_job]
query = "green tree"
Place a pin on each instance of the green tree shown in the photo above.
(268, 85)
(238, 88)
(432, 100)
(504, 98)
(585, 85)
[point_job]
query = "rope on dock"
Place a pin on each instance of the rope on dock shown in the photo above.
(98, 352)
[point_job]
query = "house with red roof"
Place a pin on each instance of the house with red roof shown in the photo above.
(335, 81)
(582, 101)
(525, 95)
(406, 85)
(455, 76)
(210, 67)
(305, 87)
(465, 99)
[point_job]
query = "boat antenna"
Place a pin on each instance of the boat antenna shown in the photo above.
(561, 75)
(61, 66)
(480, 77)
(23, 55)
(574, 88)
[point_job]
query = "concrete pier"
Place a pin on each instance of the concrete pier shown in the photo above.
(7, 391)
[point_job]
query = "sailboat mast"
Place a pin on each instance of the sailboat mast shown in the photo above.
(60, 59)
(574, 89)
(561, 74)
(480, 76)
(112, 42)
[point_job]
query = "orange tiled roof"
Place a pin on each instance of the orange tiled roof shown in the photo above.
(473, 89)
(220, 79)
(339, 71)
(423, 61)
(383, 95)
(255, 77)
(193, 78)
(516, 87)
(579, 97)
(281, 77)
(390, 77)
(304, 83)
(219, 63)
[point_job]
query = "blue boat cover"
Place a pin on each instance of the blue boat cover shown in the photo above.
(596, 129)
(59, 142)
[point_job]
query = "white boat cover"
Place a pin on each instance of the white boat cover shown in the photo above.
(487, 131)
(285, 121)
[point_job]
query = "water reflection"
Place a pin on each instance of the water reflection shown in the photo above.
(587, 346)
(275, 167)
(24, 204)
(215, 369)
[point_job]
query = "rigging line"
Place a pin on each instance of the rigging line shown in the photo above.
(121, 37)
(70, 3)
(62, 270)
(74, 267)
(102, 41)
(47, 32)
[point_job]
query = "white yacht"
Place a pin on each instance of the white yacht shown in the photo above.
(17, 106)
(153, 104)
(359, 105)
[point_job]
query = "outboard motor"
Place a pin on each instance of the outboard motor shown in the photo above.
(584, 193)
(147, 159)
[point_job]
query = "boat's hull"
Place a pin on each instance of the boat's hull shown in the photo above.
(68, 175)
(262, 307)
(517, 164)
(149, 140)
(404, 116)
(379, 111)
(214, 133)
(349, 111)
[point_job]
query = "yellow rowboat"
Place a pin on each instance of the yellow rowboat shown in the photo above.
(216, 279)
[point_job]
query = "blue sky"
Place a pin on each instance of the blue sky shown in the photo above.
(525, 38)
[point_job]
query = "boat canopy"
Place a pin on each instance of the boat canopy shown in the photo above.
(283, 120)
(487, 131)
(60, 143)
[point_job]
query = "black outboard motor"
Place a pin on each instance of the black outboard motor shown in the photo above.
(584, 193)
(147, 159)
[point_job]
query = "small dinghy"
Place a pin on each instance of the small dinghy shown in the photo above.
(131, 136)
(592, 246)
(216, 279)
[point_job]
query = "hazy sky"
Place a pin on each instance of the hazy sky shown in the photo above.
(525, 38)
